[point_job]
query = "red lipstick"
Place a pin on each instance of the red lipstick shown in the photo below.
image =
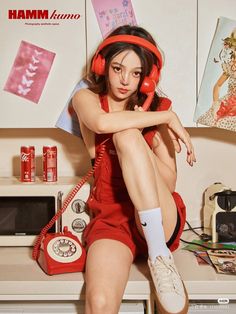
(123, 90)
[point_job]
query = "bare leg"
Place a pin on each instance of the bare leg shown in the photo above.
(149, 191)
(146, 187)
(107, 270)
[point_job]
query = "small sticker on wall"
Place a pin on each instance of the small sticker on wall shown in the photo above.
(111, 14)
(29, 72)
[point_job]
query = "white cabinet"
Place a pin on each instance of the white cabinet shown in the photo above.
(60, 307)
(173, 24)
(63, 36)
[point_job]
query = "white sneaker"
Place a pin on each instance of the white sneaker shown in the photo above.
(171, 294)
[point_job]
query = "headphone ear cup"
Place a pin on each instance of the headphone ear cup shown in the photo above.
(149, 83)
(98, 65)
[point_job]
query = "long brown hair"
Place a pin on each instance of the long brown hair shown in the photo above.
(99, 83)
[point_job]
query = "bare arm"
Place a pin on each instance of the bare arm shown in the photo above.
(87, 107)
(218, 85)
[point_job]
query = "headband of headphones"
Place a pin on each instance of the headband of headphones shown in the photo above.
(131, 39)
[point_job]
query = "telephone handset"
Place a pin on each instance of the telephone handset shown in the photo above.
(62, 252)
(149, 85)
(148, 101)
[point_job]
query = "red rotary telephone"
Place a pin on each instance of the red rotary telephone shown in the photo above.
(61, 253)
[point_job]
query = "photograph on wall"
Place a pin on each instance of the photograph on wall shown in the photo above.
(216, 105)
(29, 72)
(111, 14)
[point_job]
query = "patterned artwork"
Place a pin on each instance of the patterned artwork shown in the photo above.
(216, 106)
(29, 71)
(111, 14)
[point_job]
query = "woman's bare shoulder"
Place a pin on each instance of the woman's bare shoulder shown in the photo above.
(83, 96)
(84, 92)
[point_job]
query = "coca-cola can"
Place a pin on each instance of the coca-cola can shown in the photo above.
(49, 163)
(27, 157)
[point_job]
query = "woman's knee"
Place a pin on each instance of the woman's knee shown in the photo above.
(127, 139)
(98, 301)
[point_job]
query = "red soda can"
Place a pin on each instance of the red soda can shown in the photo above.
(49, 163)
(27, 157)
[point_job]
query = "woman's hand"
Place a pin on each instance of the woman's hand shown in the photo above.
(138, 108)
(178, 132)
(175, 141)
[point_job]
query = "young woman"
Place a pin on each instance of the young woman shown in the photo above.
(135, 208)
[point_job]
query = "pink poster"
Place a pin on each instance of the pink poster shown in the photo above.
(29, 71)
(111, 14)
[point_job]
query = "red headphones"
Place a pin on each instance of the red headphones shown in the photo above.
(149, 83)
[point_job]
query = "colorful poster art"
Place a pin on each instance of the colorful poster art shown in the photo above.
(216, 106)
(111, 14)
(29, 71)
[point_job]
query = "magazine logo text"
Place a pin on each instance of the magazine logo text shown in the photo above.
(40, 15)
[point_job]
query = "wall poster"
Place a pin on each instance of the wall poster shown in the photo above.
(29, 72)
(216, 106)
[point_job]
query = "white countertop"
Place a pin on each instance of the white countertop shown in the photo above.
(22, 279)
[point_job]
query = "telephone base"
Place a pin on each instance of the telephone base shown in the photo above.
(59, 269)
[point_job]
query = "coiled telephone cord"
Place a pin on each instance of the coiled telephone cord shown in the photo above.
(36, 249)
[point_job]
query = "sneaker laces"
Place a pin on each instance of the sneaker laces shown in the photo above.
(166, 275)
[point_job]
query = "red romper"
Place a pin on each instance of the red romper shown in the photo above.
(109, 202)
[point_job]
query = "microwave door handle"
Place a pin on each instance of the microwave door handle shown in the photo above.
(59, 206)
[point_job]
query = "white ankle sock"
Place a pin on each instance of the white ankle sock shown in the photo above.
(151, 221)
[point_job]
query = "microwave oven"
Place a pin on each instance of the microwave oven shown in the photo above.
(25, 208)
